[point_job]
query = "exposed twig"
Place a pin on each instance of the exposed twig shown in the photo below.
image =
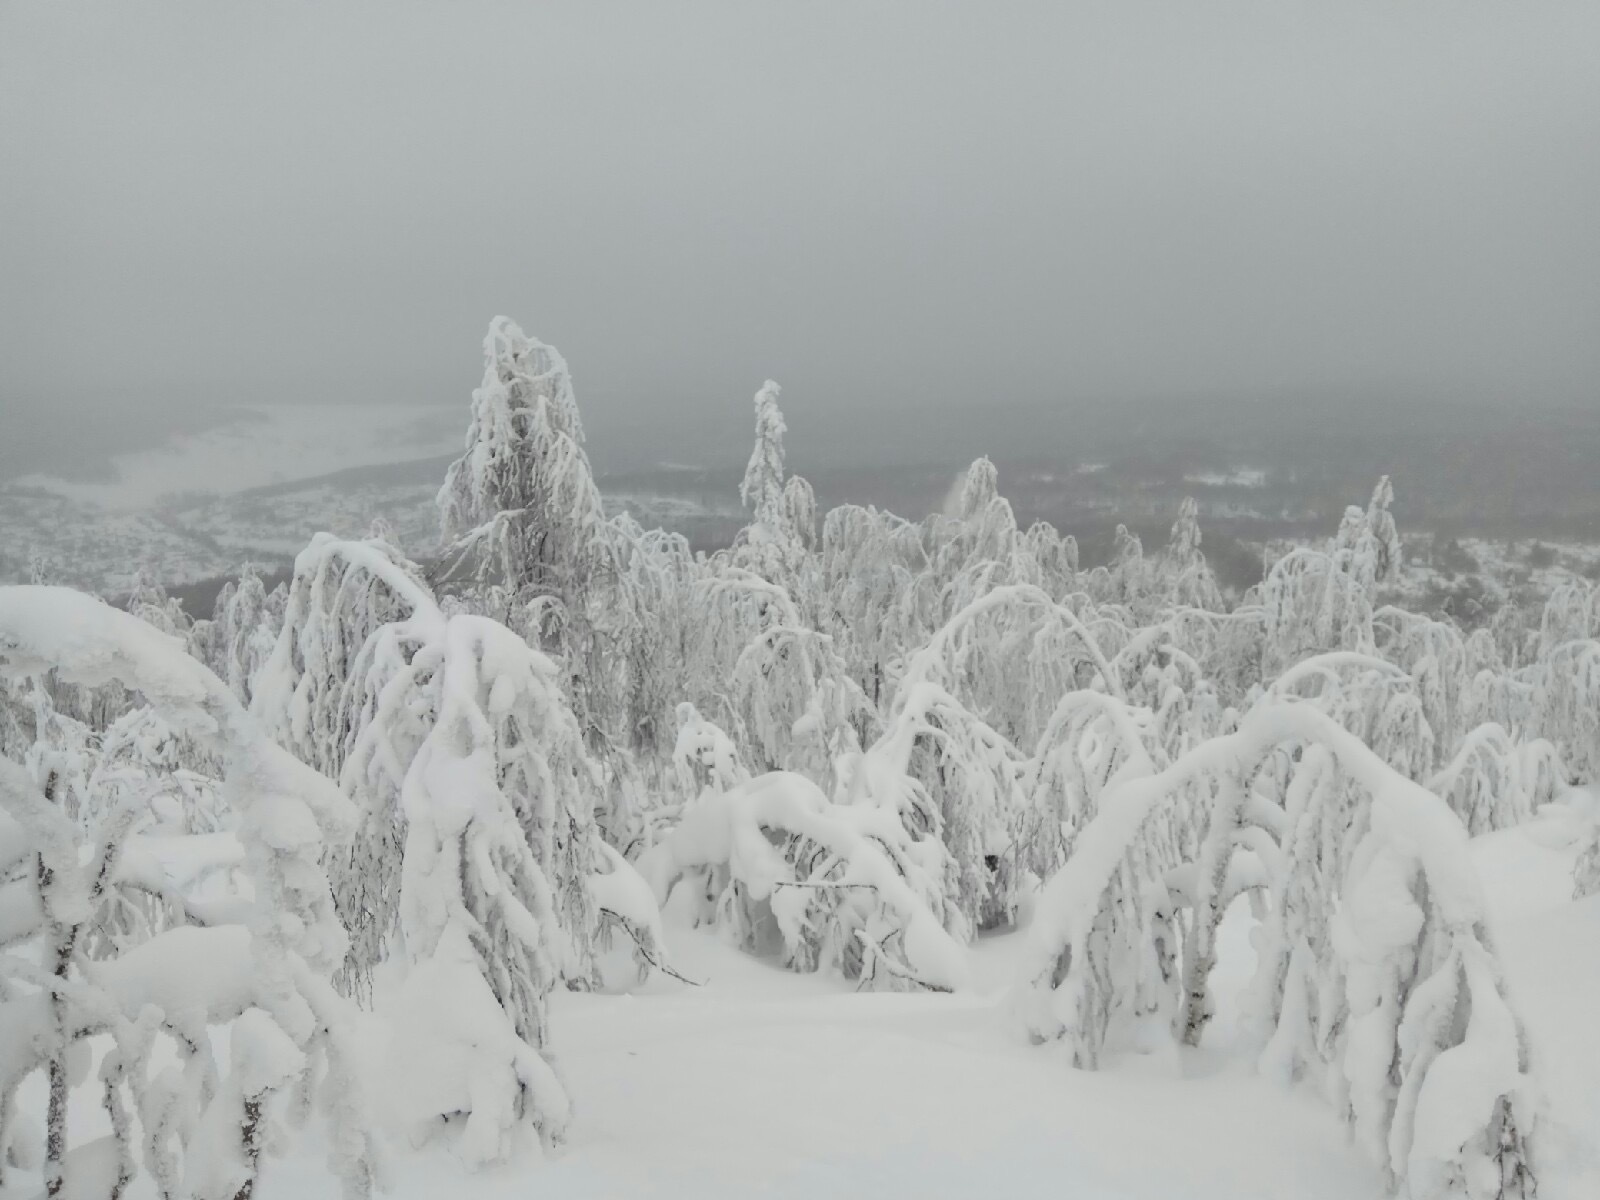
(655, 961)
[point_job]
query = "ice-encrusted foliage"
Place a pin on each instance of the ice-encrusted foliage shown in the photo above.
(1009, 653)
(1373, 699)
(1567, 683)
(951, 779)
(1091, 741)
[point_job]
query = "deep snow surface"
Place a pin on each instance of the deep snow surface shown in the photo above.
(764, 1083)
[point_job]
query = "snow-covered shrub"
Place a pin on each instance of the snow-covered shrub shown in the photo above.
(950, 780)
(481, 898)
(1494, 782)
(841, 887)
(1318, 602)
(703, 757)
(521, 498)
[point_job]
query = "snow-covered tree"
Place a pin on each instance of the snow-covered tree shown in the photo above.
(1493, 782)
(1377, 970)
(521, 499)
(1186, 577)
(1565, 679)
(1312, 606)
(761, 490)
(780, 683)
(274, 957)
(528, 543)
(1378, 550)
(245, 621)
(341, 594)
(871, 564)
(831, 886)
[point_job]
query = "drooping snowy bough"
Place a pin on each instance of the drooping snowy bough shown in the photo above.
(1377, 971)
(268, 976)
(822, 885)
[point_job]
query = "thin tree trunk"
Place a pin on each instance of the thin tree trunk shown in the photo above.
(250, 1132)
(64, 937)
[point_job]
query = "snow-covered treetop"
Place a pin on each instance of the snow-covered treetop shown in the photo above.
(529, 368)
(761, 490)
(521, 499)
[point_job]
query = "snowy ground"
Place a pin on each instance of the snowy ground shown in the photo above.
(767, 1083)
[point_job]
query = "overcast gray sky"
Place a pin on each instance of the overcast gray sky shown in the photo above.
(919, 202)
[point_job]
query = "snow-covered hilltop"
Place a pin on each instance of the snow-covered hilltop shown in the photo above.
(562, 856)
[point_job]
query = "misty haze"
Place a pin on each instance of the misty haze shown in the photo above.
(865, 600)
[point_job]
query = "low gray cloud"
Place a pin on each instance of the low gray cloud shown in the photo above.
(899, 204)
